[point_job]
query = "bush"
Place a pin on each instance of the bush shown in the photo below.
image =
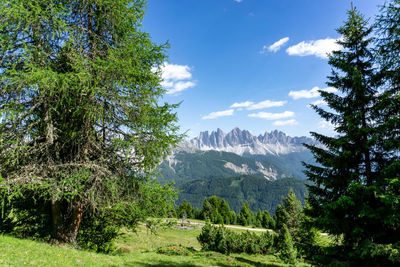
(26, 215)
(97, 232)
(174, 250)
(222, 240)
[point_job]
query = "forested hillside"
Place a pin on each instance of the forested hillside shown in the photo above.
(184, 166)
(259, 192)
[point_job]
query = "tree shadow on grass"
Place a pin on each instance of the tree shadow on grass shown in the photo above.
(255, 263)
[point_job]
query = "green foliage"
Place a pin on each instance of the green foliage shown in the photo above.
(244, 215)
(259, 219)
(26, 217)
(225, 241)
(175, 251)
(267, 221)
(290, 215)
(355, 186)
(287, 252)
(258, 192)
(307, 236)
(185, 210)
(82, 123)
(225, 211)
(98, 232)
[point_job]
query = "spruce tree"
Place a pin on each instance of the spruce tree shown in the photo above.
(267, 221)
(388, 118)
(244, 215)
(82, 120)
(343, 195)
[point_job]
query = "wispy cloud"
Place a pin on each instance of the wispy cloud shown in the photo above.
(217, 114)
(272, 116)
(238, 1)
(287, 122)
(242, 104)
(249, 105)
(312, 93)
(176, 78)
(266, 104)
(275, 47)
(319, 48)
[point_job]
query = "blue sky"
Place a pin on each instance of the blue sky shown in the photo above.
(252, 64)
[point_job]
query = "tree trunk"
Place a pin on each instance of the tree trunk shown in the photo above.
(66, 228)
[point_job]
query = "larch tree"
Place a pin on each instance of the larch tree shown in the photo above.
(81, 116)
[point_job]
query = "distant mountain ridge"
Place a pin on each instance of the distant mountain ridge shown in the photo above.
(272, 156)
(243, 142)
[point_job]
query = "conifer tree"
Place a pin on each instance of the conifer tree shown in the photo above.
(82, 121)
(343, 195)
(267, 221)
(244, 214)
(259, 219)
(388, 111)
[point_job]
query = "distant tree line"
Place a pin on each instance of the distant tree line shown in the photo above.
(217, 211)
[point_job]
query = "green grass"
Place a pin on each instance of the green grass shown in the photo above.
(135, 249)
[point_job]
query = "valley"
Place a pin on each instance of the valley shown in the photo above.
(238, 167)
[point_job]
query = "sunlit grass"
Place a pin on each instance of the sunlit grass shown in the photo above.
(134, 249)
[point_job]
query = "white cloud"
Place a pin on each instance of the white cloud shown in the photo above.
(266, 104)
(319, 102)
(323, 124)
(260, 105)
(176, 78)
(217, 114)
(242, 104)
(238, 1)
(272, 116)
(312, 93)
(277, 45)
(319, 48)
(180, 86)
(287, 122)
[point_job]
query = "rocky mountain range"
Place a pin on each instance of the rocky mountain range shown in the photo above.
(243, 142)
(272, 156)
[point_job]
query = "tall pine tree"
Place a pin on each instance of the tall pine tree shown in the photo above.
(343, 194)
(388, 115)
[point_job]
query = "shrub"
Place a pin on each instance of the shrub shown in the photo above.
(174, 250)
(222, 240)
(97, 232)
(26, 215)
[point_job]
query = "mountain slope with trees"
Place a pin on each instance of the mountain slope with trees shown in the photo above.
(258, 192)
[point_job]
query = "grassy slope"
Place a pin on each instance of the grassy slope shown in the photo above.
(139, 249)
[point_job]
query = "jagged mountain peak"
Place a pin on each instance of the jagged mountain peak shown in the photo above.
(242, 141)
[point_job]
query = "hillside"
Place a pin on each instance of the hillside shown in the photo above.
(259, 192)
(272, 156)
(185, 166)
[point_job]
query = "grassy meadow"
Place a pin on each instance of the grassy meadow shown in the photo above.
(171, 246)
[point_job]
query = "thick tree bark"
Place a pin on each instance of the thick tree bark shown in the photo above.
(66, 228)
